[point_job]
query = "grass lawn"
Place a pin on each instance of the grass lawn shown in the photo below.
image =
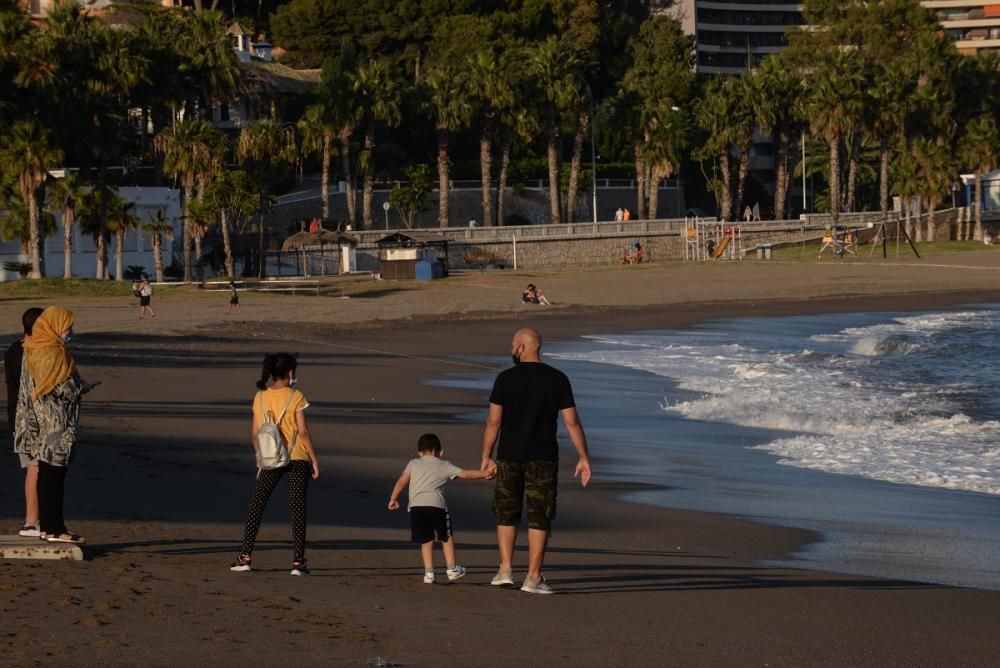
(925, 248)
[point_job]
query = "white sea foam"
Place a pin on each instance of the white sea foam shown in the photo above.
(847, 413)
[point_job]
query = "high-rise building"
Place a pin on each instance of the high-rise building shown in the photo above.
(975, 26)
(731, 35)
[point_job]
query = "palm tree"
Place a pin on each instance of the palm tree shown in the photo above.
(187, 151)
(379, 101)
(27, 153)
(490, 84)
(516, 122)
(265, 149)
(713, 113)
(68, 195)
(776, 93)
(338, 99)
(208, 63)
(233, 196)
(155, 228)
(978, 149)
(834, 105)
(555, 68)
(120, 219)
(316, 134)
(452, 111)
(93, 221)
(936, 169)
(666, 131)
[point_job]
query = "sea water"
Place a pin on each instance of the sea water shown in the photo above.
(879, 431)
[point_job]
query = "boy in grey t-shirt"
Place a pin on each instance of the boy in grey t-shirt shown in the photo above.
(426, 475)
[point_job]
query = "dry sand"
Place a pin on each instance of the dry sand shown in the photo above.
(164, 472)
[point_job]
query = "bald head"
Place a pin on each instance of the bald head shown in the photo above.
(526, 345)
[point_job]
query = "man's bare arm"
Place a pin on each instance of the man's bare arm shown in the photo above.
(490, 434)
(575, 428)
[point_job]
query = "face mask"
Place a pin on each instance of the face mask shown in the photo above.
(516, 357)
(66, 338)
(292, 381)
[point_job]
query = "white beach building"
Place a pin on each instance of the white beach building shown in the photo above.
(138, 247)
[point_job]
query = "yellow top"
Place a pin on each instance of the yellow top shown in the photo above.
(274, 400)
(45, 352)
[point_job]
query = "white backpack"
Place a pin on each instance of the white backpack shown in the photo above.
(272, 451)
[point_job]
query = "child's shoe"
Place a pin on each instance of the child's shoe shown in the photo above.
(241, 565)
(429, 577)
(456, 572)
(300, 568)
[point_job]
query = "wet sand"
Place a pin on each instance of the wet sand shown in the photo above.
(164, 471)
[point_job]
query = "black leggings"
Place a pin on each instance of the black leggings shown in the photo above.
(299, 473)
(51, 485)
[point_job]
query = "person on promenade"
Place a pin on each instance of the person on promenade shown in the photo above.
(619, 215)
(747, 213)
(756, 212)
(145, 295)
(626, 214)
(524, 407)
(286, 406)
(234, 300)
(48, 415)
(12, 360)
(428, 509)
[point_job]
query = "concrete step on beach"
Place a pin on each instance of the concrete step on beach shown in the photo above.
(18, 547)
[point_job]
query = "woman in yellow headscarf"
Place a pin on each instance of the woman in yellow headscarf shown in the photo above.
(48, 415)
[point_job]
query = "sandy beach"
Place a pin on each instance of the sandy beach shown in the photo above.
(164, 471)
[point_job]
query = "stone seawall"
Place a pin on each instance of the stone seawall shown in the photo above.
(530, 204)
(549, 252)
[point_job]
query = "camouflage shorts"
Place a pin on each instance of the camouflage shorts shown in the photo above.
(516, 481)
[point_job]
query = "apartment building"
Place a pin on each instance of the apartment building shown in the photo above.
(975, 26)
(732, 35)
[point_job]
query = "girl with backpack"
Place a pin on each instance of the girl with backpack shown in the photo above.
(284, 407)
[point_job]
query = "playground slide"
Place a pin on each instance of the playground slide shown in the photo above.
(721, 248)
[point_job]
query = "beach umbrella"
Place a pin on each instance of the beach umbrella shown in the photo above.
(301, 241)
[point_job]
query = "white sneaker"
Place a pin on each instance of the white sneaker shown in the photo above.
(502, 578)
(539, 586)
(30, 531)
(456, 573)
(429, 577)
(241, 565)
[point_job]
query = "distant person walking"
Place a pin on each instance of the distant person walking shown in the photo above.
(524, 408)
(756, 212)
(286, 407)
(234, 300)
(48, 415)
(748, 213)
(619, 215)
(145, 295)
(12, 361)
(626, 214)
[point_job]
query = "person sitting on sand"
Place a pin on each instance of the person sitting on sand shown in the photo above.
(533, 295)
(428, 509)
(287, 407)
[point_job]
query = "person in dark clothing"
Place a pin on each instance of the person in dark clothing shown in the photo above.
(12, 361)
(525, 405)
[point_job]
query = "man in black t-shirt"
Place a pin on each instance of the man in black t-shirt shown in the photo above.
(12, 361)
(525, 406)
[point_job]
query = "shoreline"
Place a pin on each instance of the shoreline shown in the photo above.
(161, 484)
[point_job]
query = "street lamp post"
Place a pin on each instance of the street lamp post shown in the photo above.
(385, 207)
(593, 153)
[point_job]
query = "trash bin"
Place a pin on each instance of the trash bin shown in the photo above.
(764, 251)
(423, 271)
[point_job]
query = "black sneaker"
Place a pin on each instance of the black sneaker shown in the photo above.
(300, 568)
